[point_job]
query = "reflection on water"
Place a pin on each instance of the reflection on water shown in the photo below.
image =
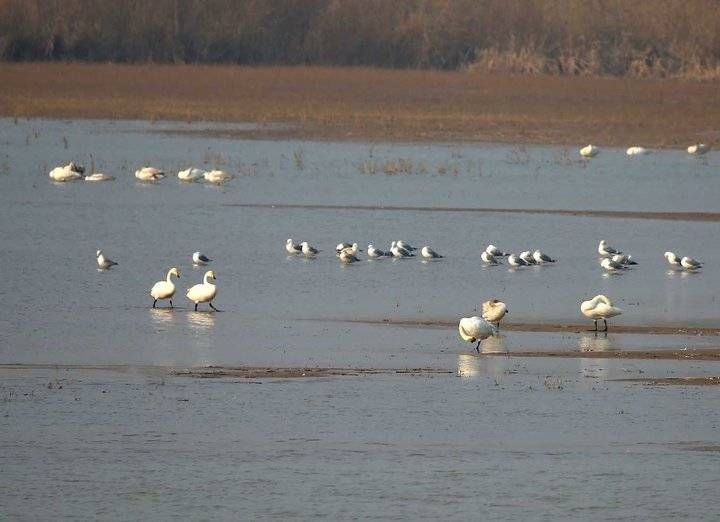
(468, 365)
(597, 342)
(471, 366)
(162, 316)
(201, 321)
(494, 344)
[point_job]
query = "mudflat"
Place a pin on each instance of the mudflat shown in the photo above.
(371, 104)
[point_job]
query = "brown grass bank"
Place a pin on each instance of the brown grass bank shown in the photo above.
(354, 103)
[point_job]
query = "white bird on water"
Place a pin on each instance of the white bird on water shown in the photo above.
(165, 289)
(475, 328)
(190, 174)
(375, 253)
(698, 149)
(99, 176)
(200, 259)
(599, 307)
(204, 292)
(292, 248)
(623, 259)
(429, 253)
(489, 258)
(103, 262)
(406, 246)
(515, 260)
(69, 172)
(347, 247)
(589, 151)
(606, 250)
(610, 265)
(149, 174)
(495, 251)
(399, 252)
(307, 250)
(528, 257)
(493, 311)
(636, 151)
(690, 264)
(217, 177)
(347, 257)
(541, 258)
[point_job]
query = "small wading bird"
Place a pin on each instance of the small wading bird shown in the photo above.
(165, 289)
(200, 259)
(204, 292)
(474, 329)
(494, 311)
(599, 307)
(103, 262)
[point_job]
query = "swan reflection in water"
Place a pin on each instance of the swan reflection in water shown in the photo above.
(594, 343)
(162, 317)
(470, 365)
(201, 321)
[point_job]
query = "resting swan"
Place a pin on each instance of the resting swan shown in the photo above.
(475, 328)
(599, 307)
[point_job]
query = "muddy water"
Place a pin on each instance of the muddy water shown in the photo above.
(303, 449)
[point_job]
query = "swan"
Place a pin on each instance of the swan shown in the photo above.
(636, 151)
(489, 258)
(493, 311)
(515, 260)
(218, 177)
(348, 257)
(698, 149)
(308, 250)
(589, 151)
(200, 259)
(103, 262)
(690, 264)
(204, 292)
(149, 174)
(69, 172)
(495, 251)
(541, 258)
(610, 265)
(374, 253)
(406, 246)
(475, 328)
(528, 258)
(606, 250)
(99, 176)
(190, 174)
(623, 259)
(599, 307)
(165, 289)
(672, 258)
(292, 248)
(429, 253)
(399, 252)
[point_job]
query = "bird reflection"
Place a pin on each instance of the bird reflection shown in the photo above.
(594, 343)
(493, 344)
(162, 316)
(201, 321)
(468, 365)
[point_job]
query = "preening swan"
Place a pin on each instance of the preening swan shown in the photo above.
(599, 307)
(165, 289)
(589, 151)
(493, 311)
(190, 174)
(103, 262)
(218, 177)
(475, 328)
(70, 172)
(200, 259)
(149, 174)
(204, 292)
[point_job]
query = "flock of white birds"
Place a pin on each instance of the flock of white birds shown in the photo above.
(697, 149)
(75, 172)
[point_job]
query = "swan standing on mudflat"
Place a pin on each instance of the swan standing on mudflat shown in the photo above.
(429, 253)
(606, 250)
(200, 259)
(599, 307)
(307, 250)
(217, 177)
(589, 151)
(165, 289)
(488, 258)
(191, 174)
(205, 292)
(541, 258)
(149, 174)
(292, 248)
(475, 328)
(493, 311)
(374, 253)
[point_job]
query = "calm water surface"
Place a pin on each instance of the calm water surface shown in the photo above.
(498, 440)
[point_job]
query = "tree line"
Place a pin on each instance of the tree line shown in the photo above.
(573, 37)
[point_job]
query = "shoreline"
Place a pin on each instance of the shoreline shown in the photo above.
(350, 104)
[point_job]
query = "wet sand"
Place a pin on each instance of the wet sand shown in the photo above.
(709, 354)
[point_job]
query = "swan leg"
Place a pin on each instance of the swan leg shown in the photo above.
(477, 347)
(155, 301)
(498, 326)
(211, 306)
(596, 328)
(171, 305)
(196, 307)
(605, 321)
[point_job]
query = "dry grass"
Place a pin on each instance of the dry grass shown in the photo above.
(342, 103)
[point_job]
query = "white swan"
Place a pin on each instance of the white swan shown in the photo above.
(200, 259)
(292, 248)
(599, 307)
(475, 328)
(103, 262)
(165, 289)
(69, 172)
(541, 258)
(698, 149)
(690, 264)
(495, 251)
(149, 174)
(307, 250)
(636, 151)
(204, 292)
(218, 177)
(493, 311)
(375, 253)
(429, 253)
(190, 174)
(489, 258)
(99, 176)
(606, 250)
(589, 151)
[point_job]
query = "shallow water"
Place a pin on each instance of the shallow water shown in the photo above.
(498, 440)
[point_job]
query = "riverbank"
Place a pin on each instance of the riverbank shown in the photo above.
(372, 104)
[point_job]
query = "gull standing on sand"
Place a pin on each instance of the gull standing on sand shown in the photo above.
(493, 311)
(429, 253)
(218, 177)
(292, 248)
(475, 328)
(200, 259)
(698, 149)
(149, 174)
(599, 307)
(103, 262)
(495, 251)
(606, 250)
(488, 258)
(191, 174)
(541, 258)
(307, 250)
(165, 289)
(515, 260)
(689, 263)
(204, 292)
(589, 151)
(375, 253)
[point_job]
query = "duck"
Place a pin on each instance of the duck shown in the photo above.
(149, 174)
(204, 292)
(103, 262)
(493, 311)
(599, 307)
(165, 289)
(472, 329)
